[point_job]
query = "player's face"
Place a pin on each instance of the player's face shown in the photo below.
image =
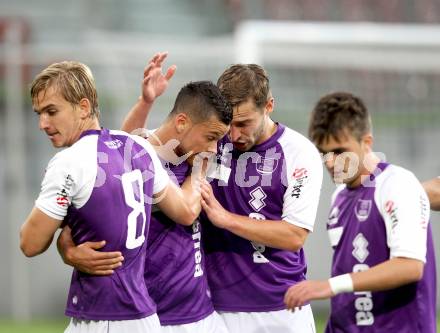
(58, 118)
(202, 137)
(344, 157)
(248, 126)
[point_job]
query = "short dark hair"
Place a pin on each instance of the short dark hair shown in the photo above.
(200, 100)
(240, 82)
(337, 112)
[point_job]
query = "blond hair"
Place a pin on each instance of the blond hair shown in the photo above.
(72, 79)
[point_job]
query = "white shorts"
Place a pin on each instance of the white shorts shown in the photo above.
(148, 324)
(283, 321)
(211, 324)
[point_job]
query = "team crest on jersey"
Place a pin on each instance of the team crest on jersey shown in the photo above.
(362, 209)
(257, 201)
(113, 144)
(266, 165)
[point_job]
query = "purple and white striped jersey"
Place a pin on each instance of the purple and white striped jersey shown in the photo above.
(386, 217)
(279, 179)
(103, 187)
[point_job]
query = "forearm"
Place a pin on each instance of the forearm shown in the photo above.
(191, 192)
(137, 116)
(64, 244)
(276, 234)
(432, 188)
(172, 202)
(32, 245)
(390, 274)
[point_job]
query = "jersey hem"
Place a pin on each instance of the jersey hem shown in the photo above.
(91, 316)
(48, 212)
(186, 320)
(262, 308)
(407, 254)
(298, 224)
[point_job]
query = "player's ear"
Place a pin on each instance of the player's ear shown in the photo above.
(367, 141)
(182, 122)
(85, 108)
(270, 103)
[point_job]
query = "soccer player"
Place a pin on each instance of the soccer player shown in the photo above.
(175, 273)
(270, 177)
(383, 269)
(262, 207)
(432, 188)
(102, 186)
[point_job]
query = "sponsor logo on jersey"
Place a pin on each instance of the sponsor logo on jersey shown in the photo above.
(299, 175)
(113, 144)
(362, 209)
(363, 303)
(196, 236)
(391, 210)
(63, 195)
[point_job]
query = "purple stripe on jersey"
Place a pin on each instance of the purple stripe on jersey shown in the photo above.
(105, 216)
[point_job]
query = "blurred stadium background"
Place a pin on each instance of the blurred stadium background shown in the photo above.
(386, 51)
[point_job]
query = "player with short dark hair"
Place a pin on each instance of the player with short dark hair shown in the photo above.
(175, 272)
(383, 268)
(102, 186)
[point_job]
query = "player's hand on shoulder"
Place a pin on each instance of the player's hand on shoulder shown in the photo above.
(305, 291)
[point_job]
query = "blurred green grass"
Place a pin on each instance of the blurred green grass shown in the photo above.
(37, 326)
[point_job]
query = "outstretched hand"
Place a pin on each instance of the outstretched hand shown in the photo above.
(155, 82)
(305, 291)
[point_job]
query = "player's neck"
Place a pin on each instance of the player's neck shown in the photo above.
(369, 165)
(89, 124)
(269, 129)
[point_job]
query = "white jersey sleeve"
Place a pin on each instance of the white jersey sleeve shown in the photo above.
(304, 172)
(161, 178)
(68, 179)
(404, 207)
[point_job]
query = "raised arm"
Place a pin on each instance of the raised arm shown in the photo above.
(432, 188)
(154, 83)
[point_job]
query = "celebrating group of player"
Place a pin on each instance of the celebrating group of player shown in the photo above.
(199, 225)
